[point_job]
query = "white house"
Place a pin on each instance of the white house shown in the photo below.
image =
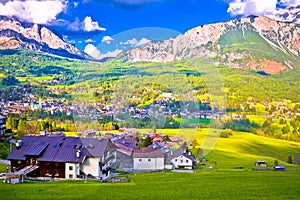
(179, 159)
(148, 159)
(100, 159)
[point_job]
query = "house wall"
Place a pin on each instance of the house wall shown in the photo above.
(148, 163)
(56, 169)
(182, 161)
(72, 170)
(90, 166)
(124, 161)
(17, 164)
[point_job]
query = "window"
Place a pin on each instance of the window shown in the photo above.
(175, 160)
(186, 161)
(70, 175)
(70, 168)
(181, 161)
(149, 160)
(140, 160)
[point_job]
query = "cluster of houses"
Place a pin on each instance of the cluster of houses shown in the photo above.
(27, 101)
(58, 156)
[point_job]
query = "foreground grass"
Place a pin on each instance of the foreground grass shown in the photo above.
(168, 185)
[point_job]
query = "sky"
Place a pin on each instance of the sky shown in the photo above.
(103, 26)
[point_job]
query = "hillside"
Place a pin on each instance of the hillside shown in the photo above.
(240, 149)
(257, 43)
(15, 34)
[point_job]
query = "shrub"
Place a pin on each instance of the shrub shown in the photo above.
(226, 133)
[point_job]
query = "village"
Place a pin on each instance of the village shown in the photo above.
(95, 156)
(24, 100)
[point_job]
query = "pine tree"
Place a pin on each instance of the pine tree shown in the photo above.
(290, 160)
(9, 123)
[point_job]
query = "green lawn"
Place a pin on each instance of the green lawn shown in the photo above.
(168, 185)
(240, 149)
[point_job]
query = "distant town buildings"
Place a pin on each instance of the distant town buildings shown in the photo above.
(2, 125)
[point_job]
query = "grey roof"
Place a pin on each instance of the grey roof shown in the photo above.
(52, 149)
(177, 153)
(125, 146)
(174, 154)
(94, 147)
(148, 153)
(36, 149)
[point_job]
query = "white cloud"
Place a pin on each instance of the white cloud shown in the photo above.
(135, 42)
(89, 41)
(95, 53)
(107, 39)
(258, 7)
(252, 7)
(90, 25)
(132, 42)
(143, 41)
(40, 12)
(290, 3)
(92, 51)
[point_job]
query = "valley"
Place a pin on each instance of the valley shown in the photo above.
(228, 91)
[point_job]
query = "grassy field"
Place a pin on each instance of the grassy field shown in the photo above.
(223, 181)
(240, 149)
(168, 185)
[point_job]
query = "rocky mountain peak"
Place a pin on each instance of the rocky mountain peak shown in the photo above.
(15, 34)
(221, 41)
(291, 14)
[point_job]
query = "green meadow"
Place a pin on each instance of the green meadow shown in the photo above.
(240, 149)
(217, 179)
(168, 185)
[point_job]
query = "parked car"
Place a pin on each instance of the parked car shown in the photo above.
(2, 176)
(279, 167)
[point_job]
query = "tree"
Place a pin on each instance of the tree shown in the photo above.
(154, 128)
(290, 160)
(9, 123)
(147, 141)
(267, 123)
(286, 129)
(10, 80)
(22, 128)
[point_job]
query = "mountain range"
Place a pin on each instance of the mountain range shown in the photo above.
(15, 34)
(257, 43)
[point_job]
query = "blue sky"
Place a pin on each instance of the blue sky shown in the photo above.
(96, 23)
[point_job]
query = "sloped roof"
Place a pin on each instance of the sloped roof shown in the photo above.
(148, 153)
(36, 149)
(177, 153)
(125, 146)
(49, 148)
(94, 147)
(67, 152)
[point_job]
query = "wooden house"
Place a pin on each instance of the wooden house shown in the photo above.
(63, 157)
